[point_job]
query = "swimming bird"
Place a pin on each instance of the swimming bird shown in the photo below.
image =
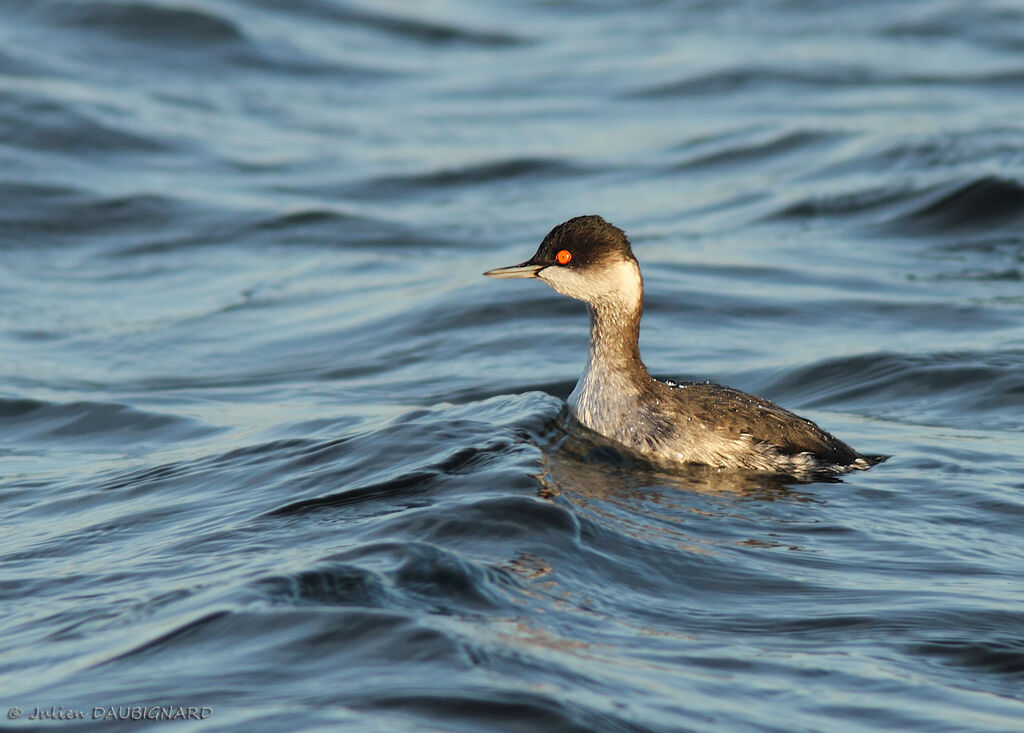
(591, 260)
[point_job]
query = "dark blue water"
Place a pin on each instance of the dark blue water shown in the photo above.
(271, 445)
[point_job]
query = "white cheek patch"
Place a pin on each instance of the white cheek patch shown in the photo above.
(567, 282)
(618, 281)
(625, 283)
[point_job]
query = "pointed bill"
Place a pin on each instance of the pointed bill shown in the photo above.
(523, 270)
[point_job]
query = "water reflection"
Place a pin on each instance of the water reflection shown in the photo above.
(579, 462)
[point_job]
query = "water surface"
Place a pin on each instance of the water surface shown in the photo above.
(271, 444)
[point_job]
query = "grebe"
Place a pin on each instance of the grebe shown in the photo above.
(591, 260)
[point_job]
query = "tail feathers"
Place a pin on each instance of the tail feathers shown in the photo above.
(863, 463)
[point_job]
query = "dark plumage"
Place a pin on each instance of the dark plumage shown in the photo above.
(591, 239)
(589, 259)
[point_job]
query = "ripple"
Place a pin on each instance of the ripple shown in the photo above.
(999, 147)
(469, 175)
(258, 408)
(316, 226)
(337, 584)
(985, 25)
(395, 493)
(992, 657)
(389, 576)
(55, 215)
(982, 204)
(148, 22)
(12, 64)
(978, 206)
(312, 634)
(759, 80)
(35, 121)
(847, 204)
(1011, 275)
(76, 421)
(732, 81)
(403, 491)
(751, 152)
(401, 26)
(519, 710)
(425, 573)
(181, 39)
(973, 382)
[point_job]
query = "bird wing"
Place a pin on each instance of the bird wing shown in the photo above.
(735, 414)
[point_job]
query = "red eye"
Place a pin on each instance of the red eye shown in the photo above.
(563, 257)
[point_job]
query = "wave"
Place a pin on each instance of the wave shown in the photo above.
(750, 79)
(752, 151)
(982, 205)
(404, 490)
(979, 205)
(148, 22)
(390, 492)
(968, 383)
(992, 147)
(990, 258)
(14, 65)
(726, 81)
(981, 24)
(387, 575)
(61, 215)
(512, 710)
(469, 175)
(338, 646)
(994, 657)
(403, 27)
(36, 121)
(847, 204)
(144, 223)
(1014, 274)
(320, 225)
(187, 37)
(86, 420)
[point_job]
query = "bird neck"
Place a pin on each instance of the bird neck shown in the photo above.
(614, 337)
(606, 393)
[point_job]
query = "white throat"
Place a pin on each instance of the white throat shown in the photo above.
(607, 388)
(617, 284)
